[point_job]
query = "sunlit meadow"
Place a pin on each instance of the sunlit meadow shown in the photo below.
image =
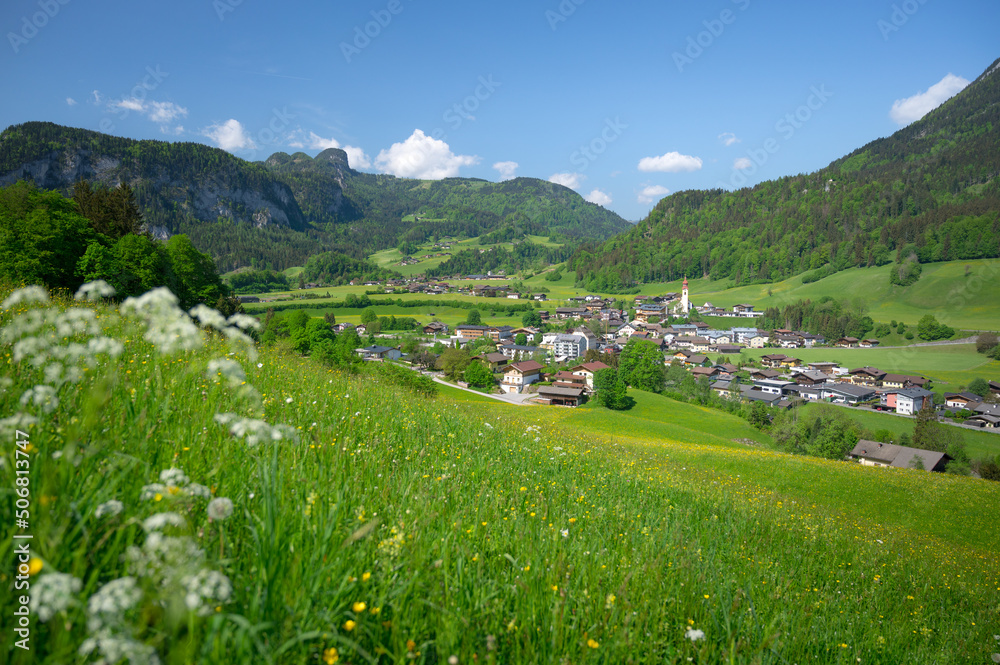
(196, 500)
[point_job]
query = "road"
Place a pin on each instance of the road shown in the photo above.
(518, 399)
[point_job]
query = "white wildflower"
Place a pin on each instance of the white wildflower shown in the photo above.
(53, 593)
(288, 400)
(231, 370)
(197, 489)
(41, 396)
(18, 421)
(95, 290)
(111, 601)
(208, 316)
(205, 589)
(160, 520)
(220, 508)
(110, 508)
(28, 294)
(116, 648)
(694, 635)
(244, 321)
(174, 477)
(169, 328)
(164, 558)
(149, 492)
(253, 430)
(565, 533)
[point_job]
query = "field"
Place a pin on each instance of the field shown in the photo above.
(390, 258)
(948, 365)
(368, 524)
(968, 303)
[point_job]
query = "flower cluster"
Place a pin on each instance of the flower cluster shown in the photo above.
(255, 431)
(53, 593)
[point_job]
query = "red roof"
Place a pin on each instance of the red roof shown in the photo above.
(526, 367)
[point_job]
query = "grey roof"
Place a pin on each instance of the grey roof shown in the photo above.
(894, 455)
(377, 349)
(560, 392)
(914, 393)
(849, 389)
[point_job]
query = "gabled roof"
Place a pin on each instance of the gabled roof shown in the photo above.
(560, 392)
(595, 366)
(897, 456)
(525, 367)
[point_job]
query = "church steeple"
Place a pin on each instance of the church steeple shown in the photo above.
(685, 306)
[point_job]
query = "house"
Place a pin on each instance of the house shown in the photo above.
(539, 297)
(755, 394)
(845, 393)
(565, 379)
(745, 310)
(435, 327)
(696, 359)
(789, 341)
(866, 376)
(911, 400)
(984, 420)
(519, 375)
(961, 400)
(742, 335)
(759, 374)
(807, 393)
(468, 331)
(848, 342)
(497, 333)
(810, 378)
(694, 343)
(825, 367)
(516, 352)
(728, 348)
(873, 453)
(588, 370)
(994, 387)
(570, 312)
(772, 386)
(560, 396)
(868, 343)
(709, 372)
(569, 346)
(773, 359)
(379, 353)
(904, 381)
(495, 360)
(757, 340)
(791, 362)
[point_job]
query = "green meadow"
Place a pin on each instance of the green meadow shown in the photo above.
(371, 525)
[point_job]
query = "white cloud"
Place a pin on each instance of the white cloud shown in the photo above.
(671, 162)
(356, 157)
(317, 142)
(598, 197)
(421, 156)
(742, 163)
(71, 101)
(97, 97)
(571, 180)
(159, 112)
(652, 193)
(728, 138)
(506, 169)
(905, 111)
(230, 136)
(176, 131)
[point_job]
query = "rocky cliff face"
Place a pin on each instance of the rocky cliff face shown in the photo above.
(214, 193)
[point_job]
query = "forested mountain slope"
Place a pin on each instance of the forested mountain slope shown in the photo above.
(931, 190)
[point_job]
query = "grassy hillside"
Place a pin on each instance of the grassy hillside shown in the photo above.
(372, 525)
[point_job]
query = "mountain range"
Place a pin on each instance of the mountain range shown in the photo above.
(279, 212)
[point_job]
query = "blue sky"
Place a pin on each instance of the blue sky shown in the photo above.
(624, 102)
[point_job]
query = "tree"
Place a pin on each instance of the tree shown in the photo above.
(368, 315)
(611, 390)
(531, 320)
(986, 342)
(474, 318)
(979, 386)
(193, 275)
(641, 365)
(758, 416)
(478, 374)
(929, 329)
(923, 428)
(521, 339)
(112, 212)
(330, 318)
(453, 362)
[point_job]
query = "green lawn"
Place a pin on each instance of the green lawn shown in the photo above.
(946, 364)
(943, 289)
(979, 444)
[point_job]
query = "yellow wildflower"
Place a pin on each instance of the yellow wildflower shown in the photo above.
(330, 656)
(359, 607)
(349, 625)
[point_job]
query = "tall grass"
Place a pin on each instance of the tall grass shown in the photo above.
(388, 527)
